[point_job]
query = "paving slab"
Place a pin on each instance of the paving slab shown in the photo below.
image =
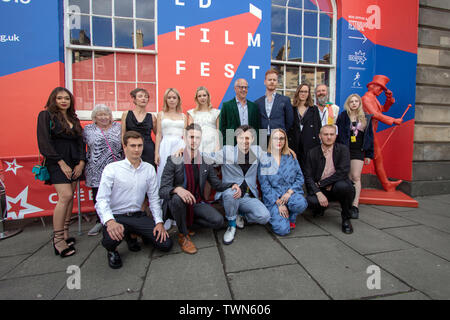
(304, 228)
(445, 198)
(30, 240)
(381, 219)
(42, 287)
(422, 270)
(425, 237)
(415, 295)
(436, 221)
(438, 207)
(99, 280)
(365, 239)
(390, 209)
(45, 261)
(203, 238)
(277, 283)
(339, 270)
(126, 296)
(9, 263)
(190, 277)
(253, 248)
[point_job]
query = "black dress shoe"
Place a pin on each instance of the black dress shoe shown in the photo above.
(133, 244)
(319, 212)
(114, 260)
(354, 212)
(347, 226)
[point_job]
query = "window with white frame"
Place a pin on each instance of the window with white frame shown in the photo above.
(303, 43)
(110, 50)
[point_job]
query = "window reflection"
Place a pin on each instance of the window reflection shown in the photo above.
(145, 31)
(145, 9)
(292, 77)
(295, 49)
(103, 7)
(325, 52)
(310, 24)
(123, 8)
(124, 33)
(310, 50)
(83, 5)
(82, 65)
(278, 44)
(278, 19)
(311, 4)
(295, 3)
(102, 30)
(325, 25)
(80, 36)
(308, 74)
(295, 22)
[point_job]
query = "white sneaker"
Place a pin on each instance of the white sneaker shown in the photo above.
(95, 230)
(228, 237)
(239, 221)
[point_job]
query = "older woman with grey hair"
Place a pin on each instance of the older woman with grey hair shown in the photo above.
(104, 145)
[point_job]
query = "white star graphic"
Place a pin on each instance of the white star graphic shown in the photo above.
(13, 166)
(23, 197)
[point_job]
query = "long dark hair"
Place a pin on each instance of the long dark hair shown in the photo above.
(56, 113)
(308, 102)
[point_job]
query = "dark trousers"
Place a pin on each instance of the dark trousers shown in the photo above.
(342, 191)
(141, 225)
(204, 215)
(94, 196)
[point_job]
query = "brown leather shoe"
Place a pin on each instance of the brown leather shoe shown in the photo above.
(186, 244)
(191, 233)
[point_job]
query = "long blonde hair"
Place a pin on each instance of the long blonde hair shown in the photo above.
(165, 106)
(208, 102)
(360, 115)
(285, 149)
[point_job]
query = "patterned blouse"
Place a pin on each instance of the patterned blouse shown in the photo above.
(98, 153)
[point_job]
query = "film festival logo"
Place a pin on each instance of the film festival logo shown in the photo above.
(359, 57)
(362, 23)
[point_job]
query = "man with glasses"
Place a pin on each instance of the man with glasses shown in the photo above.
(237, 112)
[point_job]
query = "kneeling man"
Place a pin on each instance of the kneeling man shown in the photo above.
(123, 187)
(326, 176)
(182, 188)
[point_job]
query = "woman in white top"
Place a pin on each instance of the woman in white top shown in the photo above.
(170, 129)
(207, 118)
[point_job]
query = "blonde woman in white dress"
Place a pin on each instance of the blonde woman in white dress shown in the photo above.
(170, 129)
(207, 118)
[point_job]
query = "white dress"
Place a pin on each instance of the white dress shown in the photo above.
(172, 140)
(207, 121)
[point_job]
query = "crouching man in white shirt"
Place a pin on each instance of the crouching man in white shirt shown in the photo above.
(122, 191)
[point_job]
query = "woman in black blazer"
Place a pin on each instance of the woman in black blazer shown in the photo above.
(304, 134)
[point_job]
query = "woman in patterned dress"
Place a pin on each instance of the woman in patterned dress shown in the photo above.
(103, 140)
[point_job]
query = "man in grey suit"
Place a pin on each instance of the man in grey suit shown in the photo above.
(275, 109)
(182, 188)
(240, 164)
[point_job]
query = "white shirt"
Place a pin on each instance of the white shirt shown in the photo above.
(243, 112)
(123, 188)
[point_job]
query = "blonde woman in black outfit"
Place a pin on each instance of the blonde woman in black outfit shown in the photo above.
(304, 134)
(60, 141)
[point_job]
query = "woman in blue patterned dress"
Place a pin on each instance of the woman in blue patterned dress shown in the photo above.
(281, 182)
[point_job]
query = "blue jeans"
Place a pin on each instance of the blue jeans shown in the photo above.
(253, 209)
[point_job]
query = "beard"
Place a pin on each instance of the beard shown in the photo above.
(322, 100)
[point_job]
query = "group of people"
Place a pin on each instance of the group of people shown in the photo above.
(141, 187)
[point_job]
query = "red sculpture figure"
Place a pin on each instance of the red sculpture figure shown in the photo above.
(372, 106)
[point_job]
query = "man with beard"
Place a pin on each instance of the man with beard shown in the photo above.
(328, 111)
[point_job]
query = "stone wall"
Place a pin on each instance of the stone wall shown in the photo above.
(431, 162)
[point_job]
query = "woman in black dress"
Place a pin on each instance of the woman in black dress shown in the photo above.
(141, 121)
(60, 141)
(355, 131)
(304, 134)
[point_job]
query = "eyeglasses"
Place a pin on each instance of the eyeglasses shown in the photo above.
(243, 87)
(303, 91)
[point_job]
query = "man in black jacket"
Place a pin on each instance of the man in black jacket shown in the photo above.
(182, 188)
(326, 176)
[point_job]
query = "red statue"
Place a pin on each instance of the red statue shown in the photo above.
(372, 106)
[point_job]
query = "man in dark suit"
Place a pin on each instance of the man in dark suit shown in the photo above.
(275, 109)
(182, 188)
(237, 112)
(326, 176)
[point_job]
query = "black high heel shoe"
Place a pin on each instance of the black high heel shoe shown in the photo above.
(58, 236)
(71, 240)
